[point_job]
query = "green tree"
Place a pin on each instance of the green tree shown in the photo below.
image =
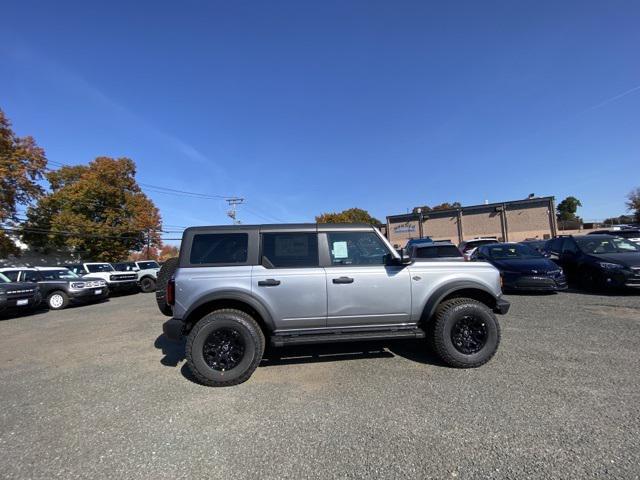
(352, 215)
(96, 209)
(442, 206)
(567, 208)
(633, 203)
(22, 164)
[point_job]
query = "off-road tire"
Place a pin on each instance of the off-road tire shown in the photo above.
(57, 300)
(447, 315)
(166, 271)
(254, 344)
(147, 285)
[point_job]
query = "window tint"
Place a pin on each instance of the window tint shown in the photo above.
(554, 245)
(145, 265)
(441, 251)
(100, 267)
(124, 266)
(569, 246)
(12, 275)
(282, 250)
(219, 248)
(31, 276)
(356, 248)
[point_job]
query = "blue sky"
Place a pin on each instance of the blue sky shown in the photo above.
(306, 107)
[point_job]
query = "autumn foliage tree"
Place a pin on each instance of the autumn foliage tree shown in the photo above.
(352, 215)
(97, 210)
(22, 164)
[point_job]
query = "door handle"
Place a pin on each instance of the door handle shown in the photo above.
(269, 282)
(343, 280)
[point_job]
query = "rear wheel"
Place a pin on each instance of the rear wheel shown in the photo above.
(224, 348)
(465, 333)
(166, 272)
(147, 285)
(57, 300)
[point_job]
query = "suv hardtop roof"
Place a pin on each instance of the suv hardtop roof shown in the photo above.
(298, 227)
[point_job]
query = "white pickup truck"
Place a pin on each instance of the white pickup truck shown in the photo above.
(116, 281)
(147, 271)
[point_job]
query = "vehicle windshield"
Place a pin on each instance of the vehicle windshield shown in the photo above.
(62, 274)
(628, 233)
(4, 279)
(471, 244)
(595, 245)
(99, 267)
(507, 252)
(146, 265)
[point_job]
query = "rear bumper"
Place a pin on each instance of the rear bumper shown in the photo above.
(502, 306)
(173, 329)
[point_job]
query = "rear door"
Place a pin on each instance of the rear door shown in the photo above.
(289, 279)
(361, 289)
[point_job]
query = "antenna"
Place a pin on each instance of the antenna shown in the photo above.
(231, 213)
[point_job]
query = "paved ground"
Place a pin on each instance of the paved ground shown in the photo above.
(95, 392)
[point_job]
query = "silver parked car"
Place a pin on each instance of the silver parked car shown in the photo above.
(236, 287)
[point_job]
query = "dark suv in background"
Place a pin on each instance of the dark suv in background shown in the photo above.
(597, 261)
(18, 295)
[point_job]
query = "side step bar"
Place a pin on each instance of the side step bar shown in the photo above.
(339, 336)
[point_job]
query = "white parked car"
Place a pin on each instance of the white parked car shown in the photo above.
(116, 281)
(469, 246)
(147, 271)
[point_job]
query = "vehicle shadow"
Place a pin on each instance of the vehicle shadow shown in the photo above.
(13, 313)
(629, 292)
(413, 350)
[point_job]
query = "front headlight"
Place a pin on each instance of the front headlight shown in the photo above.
(102, 283)
(610, 266)
(77, 285)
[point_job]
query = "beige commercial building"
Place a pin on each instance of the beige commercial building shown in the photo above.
(507, 221)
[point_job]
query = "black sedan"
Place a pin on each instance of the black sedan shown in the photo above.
(598, 261)
(522, 268)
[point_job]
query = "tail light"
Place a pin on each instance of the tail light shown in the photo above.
(171, 291)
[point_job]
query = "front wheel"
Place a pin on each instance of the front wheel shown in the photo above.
(224, 348)
(57, 300)
(466, 334)
(147, 285)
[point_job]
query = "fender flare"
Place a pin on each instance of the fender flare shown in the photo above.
(447, 289)
(237, 295)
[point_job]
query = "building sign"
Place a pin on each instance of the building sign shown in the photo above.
(406, 228)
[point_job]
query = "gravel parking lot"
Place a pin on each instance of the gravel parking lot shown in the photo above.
(97, 392)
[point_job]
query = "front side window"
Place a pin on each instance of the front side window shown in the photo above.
(62, 274)
(289, 250)
(12, 275)
(356, 248)
(219, 248)
(146, 265)
(4, 278)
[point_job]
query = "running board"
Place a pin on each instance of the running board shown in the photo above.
(339, 336)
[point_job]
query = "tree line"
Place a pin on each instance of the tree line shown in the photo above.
(97, 210)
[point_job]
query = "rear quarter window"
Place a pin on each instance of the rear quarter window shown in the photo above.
(220, 248)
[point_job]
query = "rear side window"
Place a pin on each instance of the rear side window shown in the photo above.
(31, 276)
(219, 248)
(289, 250)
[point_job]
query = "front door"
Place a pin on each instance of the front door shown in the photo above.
(361, 289)
(290, 281)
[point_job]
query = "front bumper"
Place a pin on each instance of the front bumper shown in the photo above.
(88, 294)
(535, 283)
(128, 285)
(18, 302)
(173, 329)
(502, 306)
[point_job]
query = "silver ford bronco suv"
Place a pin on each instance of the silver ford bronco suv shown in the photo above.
(235, 287)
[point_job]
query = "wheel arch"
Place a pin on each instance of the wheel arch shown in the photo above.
(462, 289)
(231, 299)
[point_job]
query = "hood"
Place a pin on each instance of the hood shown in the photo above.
(628, 259)
(87, 277)
(525, 265)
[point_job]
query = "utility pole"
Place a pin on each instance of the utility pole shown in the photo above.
(148, 244)
(231, 213)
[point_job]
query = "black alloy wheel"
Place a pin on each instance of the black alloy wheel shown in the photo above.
(469, 334)
(223, 349)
